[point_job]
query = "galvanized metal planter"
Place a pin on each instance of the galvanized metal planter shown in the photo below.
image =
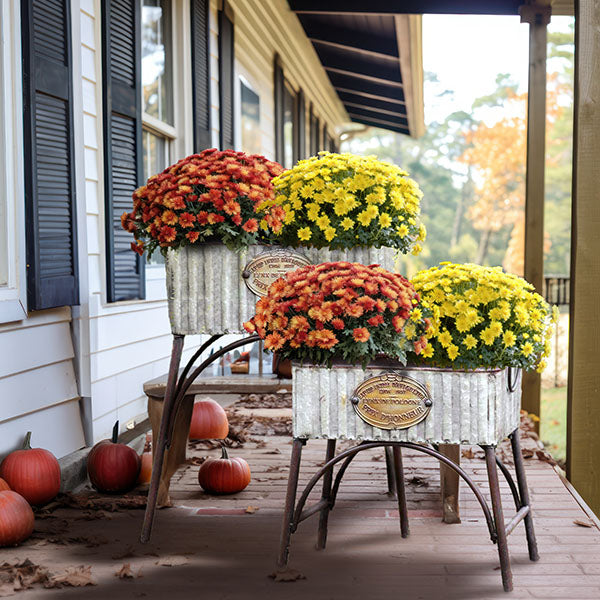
(207, 294)
(205, 290)
(468, 407)
(365, 256)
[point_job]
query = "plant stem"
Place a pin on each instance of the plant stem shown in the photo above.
(115, 433)
(224, 453)
(27, 441)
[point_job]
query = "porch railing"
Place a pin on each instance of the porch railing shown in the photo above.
(557, 290)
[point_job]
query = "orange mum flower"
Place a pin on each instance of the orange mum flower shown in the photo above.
(375, 320)
(231, 207)
(338, 324)
(192, 236)
(169, 217)
(274, 341)
(187, 219)
(251, 226)
(361, 334)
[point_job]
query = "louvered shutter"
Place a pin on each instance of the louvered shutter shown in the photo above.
(313, 133)
(278, 104)
(201, 74)
(301, 121)
(324, 145)
(226, 57)
(52, 274)
(122, 143)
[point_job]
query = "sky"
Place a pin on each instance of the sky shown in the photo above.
(467, 52)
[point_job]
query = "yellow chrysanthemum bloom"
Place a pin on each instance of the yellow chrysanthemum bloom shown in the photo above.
(385, 220)
(445, 338)
(509, 339)
(527, 349)
(470, 342)
(452, 351)
(304, 234)
(347, 224)
(329, 233)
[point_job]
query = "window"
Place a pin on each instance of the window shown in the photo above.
(157, 97)
(314, 132)
(289, 126)
(157, 102)
(251, 133)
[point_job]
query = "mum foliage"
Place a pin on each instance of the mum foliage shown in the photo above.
(340, 310)
(342, 201)
(211, 196)
(483, 317)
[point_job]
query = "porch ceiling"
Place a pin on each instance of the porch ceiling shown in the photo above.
(372, 52)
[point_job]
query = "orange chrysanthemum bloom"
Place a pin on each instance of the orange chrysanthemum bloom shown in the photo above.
(361, 334)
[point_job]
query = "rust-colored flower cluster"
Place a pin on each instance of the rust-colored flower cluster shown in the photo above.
(341, 310)
(211, 196)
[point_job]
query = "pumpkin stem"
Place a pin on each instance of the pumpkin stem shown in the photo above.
(115, 433)
(27, 441)
(224, 452)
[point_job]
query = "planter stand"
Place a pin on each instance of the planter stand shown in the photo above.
(296, 512)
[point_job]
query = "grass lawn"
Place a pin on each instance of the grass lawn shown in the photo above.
(553, 424)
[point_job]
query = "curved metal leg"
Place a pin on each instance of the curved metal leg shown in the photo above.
(490, 459)
(160, 445)
(290, 500)
(524, 494)
(326, 497)
(400, 490)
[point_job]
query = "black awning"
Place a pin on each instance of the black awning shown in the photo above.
(361, 56)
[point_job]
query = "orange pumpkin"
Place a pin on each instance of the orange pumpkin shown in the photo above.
(16, 518)
(224, 475)
(3, 485)
(32, 472)
(209, 421)
(146, 468)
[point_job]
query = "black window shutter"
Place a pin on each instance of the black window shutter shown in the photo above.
(278, 104)
(301, 120)
(324, 145)
(312, 120)
(121, 20)
(201, 74)
(226, 58)
(51, 230)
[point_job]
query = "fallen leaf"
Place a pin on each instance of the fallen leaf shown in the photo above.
(527, 453)
(125, 572)
(583, 523)
(173, 561)
(377, 457)
(274, 451)
(251, 509)
(418, 481)
(73, 577)
(286, 575)
(467, 453)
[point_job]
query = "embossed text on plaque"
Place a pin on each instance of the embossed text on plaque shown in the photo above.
(269, 266)
(391, 401)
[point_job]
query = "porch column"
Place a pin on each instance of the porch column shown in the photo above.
(583, 416)
(538, 16)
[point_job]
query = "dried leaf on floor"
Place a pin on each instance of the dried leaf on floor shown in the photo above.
(583, 522)
(377, 457)
(286, 575)
(467, 453)
(274, 451)
(172, 561)
(251, 509)
(418, 481)
(125, 572)
(80, 576)
(527, 453)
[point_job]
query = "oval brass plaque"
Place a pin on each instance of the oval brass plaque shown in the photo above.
(391, 401)
(269, 266)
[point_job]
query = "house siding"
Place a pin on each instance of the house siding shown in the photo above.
(119, 346)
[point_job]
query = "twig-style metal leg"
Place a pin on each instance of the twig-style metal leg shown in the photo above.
(391, 471)
(524, 494)
(290, 502)
(401, 491)
(501, 538)
(450, 484)
(326, 496)
(160, 444)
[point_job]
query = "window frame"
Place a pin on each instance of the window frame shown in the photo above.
(13, 293)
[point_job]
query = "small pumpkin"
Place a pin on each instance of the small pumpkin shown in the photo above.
(209, 421)
(34, 473)
(113, 467)
(224, 475)
(3, 485)
(16, 518)
(145, 468)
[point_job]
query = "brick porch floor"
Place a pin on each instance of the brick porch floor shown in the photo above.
(220, 551)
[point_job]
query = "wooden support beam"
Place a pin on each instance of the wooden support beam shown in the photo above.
(538, 17)
(583, 412)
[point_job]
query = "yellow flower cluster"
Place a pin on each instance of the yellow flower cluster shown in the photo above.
(483, 317)
(343, 201)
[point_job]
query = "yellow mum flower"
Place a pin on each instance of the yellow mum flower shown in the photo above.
(509, 338)
(470, 341)
(452, 351)
(487, 336)
(402, 231)
(427, 352)
(527, 349)
(416, 314)
(347, 223)
(329, 233)
(445, 338)
(540, 368)
(363, 218)
(385, 220)
(323, 222)
(304, 234)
